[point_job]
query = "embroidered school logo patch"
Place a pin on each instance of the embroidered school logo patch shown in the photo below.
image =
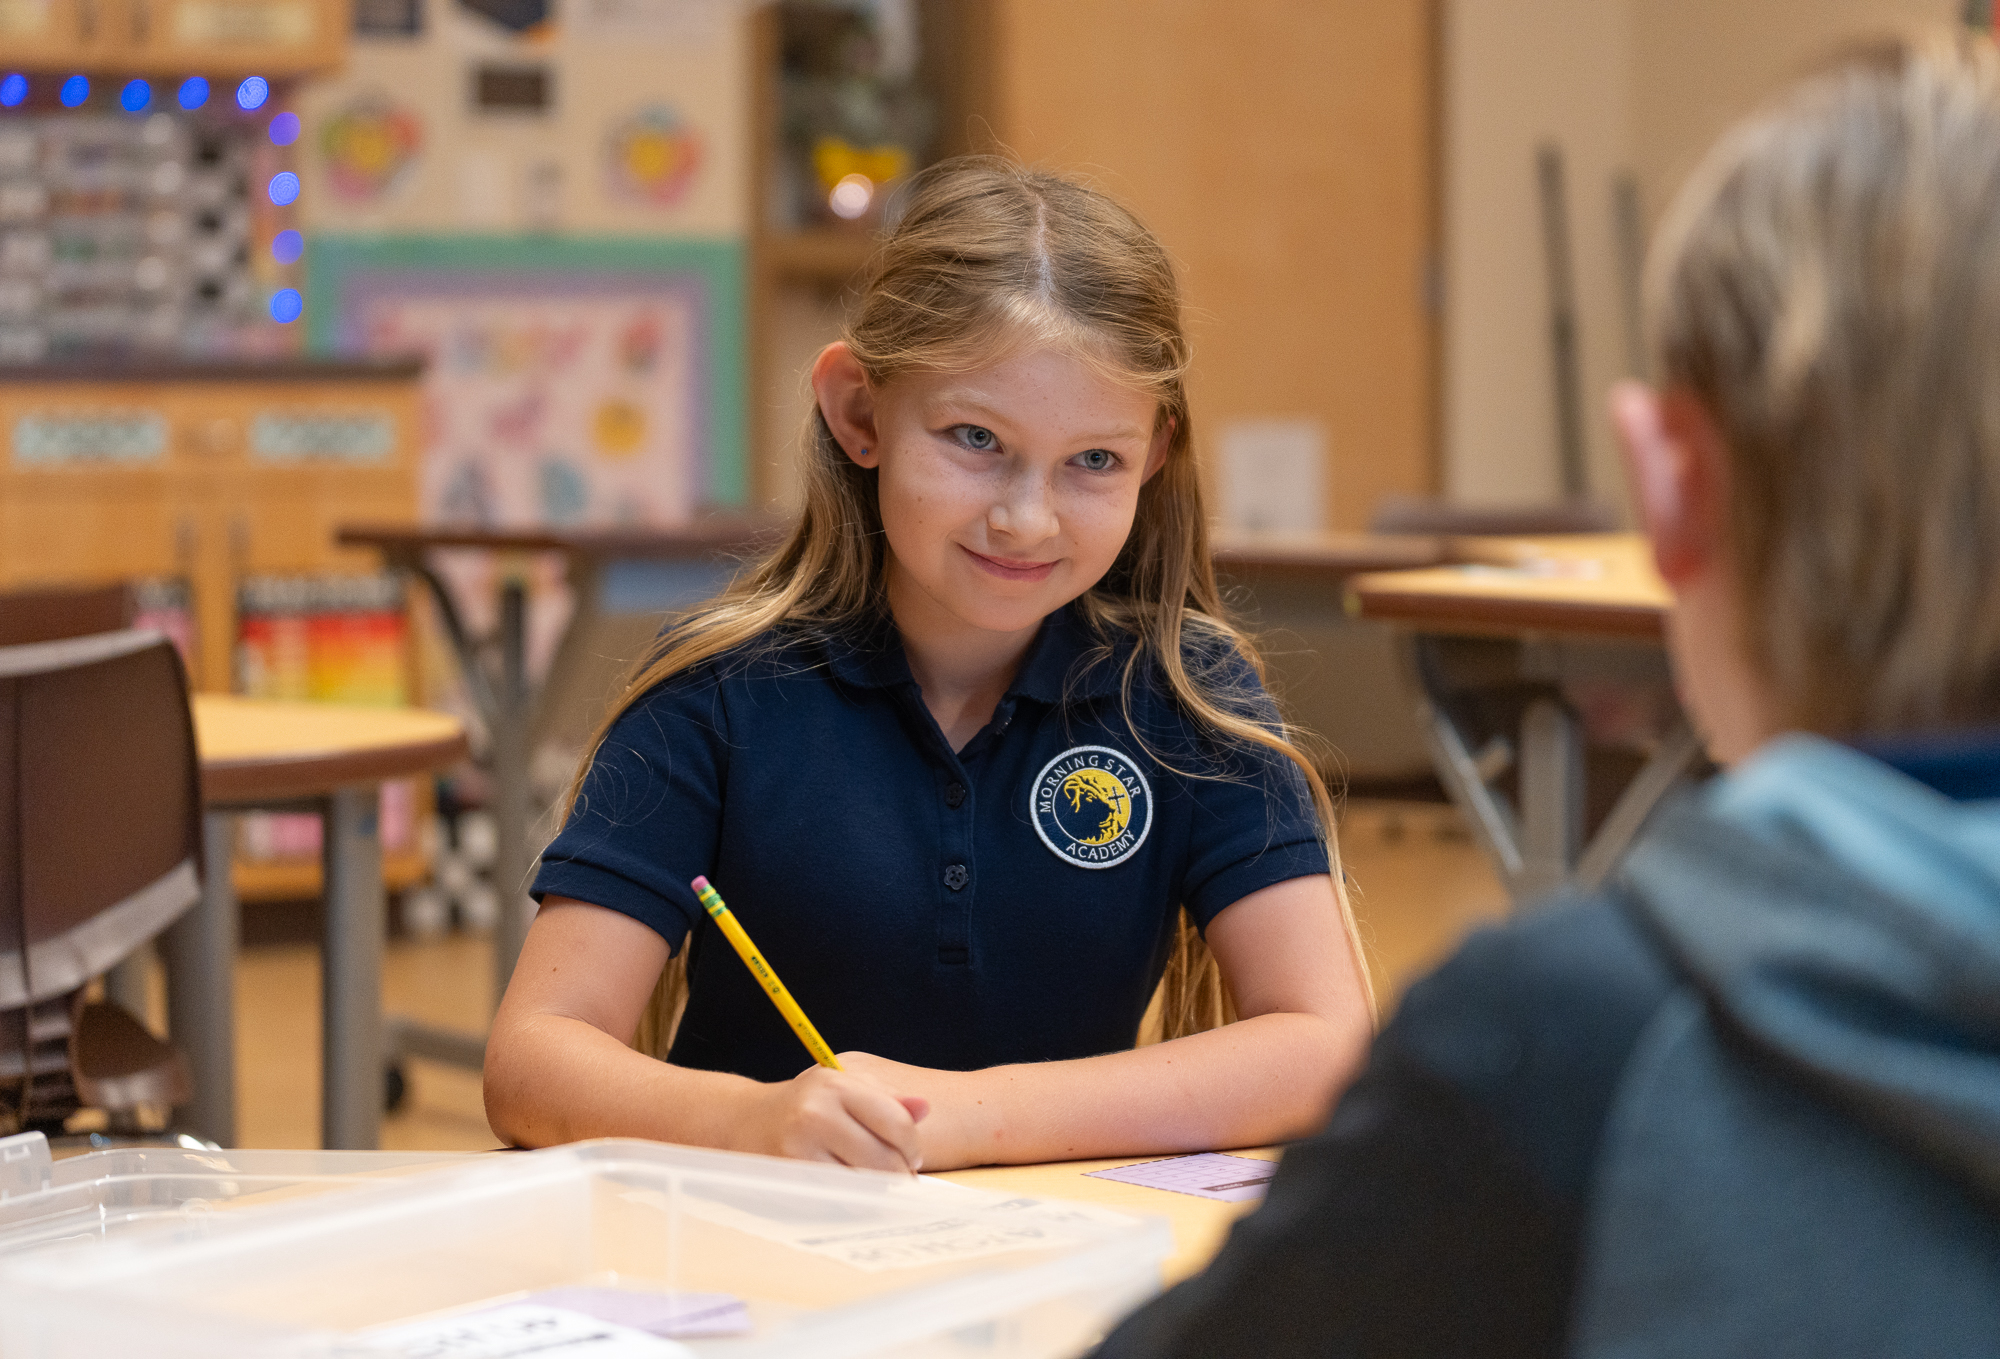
(1091, 806)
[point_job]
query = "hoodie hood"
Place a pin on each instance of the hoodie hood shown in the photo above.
(1843, 920)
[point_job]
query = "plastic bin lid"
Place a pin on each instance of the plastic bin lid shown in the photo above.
(45, 1201)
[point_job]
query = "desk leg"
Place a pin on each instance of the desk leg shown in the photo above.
(1677, 753)
(511, 734)
(1551, 797)
(351, 972)
(199, 951)
(1492, 820)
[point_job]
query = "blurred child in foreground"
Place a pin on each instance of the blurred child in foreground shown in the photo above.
(1745, 1101)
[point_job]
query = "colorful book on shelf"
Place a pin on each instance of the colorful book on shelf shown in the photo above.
(327, 639)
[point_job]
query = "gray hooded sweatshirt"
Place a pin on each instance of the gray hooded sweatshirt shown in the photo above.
(1744, 1104)
(1838, 922)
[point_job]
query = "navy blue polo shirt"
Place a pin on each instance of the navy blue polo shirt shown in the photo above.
(1014, 901)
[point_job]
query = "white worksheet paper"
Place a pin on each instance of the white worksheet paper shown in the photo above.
(522, 1331)
(1206, 1175)
(929, 1232)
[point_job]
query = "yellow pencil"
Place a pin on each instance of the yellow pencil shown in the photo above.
(733, 930)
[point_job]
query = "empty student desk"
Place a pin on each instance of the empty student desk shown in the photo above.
(1501, 640)
(319, 757)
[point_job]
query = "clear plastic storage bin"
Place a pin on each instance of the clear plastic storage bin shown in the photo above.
(88, 1198)
(780, 1257)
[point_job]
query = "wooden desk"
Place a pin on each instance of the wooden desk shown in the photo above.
(1562, 605)
(1587, 584)
(299, 756)
(255, 751)
(1198, 1224)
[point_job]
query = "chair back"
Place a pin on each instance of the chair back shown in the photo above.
(100, 820)
(49, 615)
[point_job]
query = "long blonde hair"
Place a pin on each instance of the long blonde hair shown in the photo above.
(989, 258)
(1825, 284)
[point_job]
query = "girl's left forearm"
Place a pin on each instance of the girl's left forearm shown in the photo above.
(1271, 1078)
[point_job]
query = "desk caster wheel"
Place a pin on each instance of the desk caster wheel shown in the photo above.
(395, 1088)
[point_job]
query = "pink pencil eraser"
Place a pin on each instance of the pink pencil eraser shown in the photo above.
(699, 883)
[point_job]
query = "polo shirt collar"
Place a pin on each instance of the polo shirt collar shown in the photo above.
(1050, 673)
(873, 658)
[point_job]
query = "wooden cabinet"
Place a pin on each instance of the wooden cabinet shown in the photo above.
(50, 33)
(209, 37)
(208, 474)
(1289, 164)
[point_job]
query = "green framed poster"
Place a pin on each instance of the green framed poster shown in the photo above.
(585, 380)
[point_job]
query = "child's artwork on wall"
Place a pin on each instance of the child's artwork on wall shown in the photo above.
(568, 382)
(606, 118)
(652, 157)
(552, 409)
(369, 145)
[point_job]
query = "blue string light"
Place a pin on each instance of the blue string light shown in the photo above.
(74, 91)
(287, 306)
(284, 188)
(284, 129)
(13, 90)
(252, 93)
(193, 93)
(287, 246)
(136, 95)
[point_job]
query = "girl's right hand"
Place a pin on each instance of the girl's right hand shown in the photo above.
(827, 1115)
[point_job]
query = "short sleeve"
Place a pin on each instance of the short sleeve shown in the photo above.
(1254, 823)
(647, 817)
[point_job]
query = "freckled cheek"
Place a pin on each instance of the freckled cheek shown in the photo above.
(918, 512)
(1098, 528)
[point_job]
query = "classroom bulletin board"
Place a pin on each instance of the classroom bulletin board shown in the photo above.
(549, 201)
(571, 381)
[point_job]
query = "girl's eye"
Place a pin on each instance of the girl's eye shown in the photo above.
(977, 437)
(1097, 460)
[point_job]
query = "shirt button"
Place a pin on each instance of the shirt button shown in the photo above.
(954, 795)
(956, 876)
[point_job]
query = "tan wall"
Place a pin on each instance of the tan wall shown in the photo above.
(1282, 151)
(1638, 85)
(1699, 64)
(1518, 72)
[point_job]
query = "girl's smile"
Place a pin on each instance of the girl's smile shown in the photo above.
(1011, 570)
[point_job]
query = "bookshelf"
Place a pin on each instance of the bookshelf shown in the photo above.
(800, 274)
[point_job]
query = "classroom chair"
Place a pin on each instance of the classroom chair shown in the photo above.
(52, 613)
(100, 850)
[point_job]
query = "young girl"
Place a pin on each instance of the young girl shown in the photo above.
(959, 755)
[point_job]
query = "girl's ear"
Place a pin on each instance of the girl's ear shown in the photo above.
(846, 402)
(1163, 442)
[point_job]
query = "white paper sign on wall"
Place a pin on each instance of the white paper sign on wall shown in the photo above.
(1273, 475)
